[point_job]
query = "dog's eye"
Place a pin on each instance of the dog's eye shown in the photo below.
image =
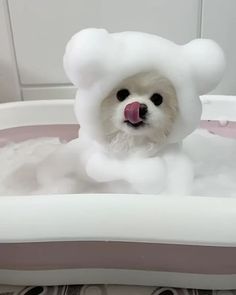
(157, 99)
(122, 94)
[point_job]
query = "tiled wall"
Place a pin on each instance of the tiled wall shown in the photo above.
(33, 35)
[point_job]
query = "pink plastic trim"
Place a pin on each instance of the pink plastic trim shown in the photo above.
(64, 132)
(225, 129)
(118, 255)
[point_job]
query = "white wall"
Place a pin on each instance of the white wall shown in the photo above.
(33, 35)
(9, 79)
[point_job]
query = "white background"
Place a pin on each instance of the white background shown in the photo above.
(33, 35)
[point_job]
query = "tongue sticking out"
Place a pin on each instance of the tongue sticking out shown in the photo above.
(131, 113)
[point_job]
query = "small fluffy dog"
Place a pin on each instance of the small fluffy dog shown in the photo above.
(137, 117)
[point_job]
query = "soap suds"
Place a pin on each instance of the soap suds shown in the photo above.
(213, 156)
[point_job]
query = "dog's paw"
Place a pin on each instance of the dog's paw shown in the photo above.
(101, 168)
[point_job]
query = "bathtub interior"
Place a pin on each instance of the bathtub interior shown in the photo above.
(24, 121)
(55, 119)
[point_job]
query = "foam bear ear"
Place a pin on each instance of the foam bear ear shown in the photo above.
(87, 56)
(207, 61)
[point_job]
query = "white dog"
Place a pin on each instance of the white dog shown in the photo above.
(137, 99)
(137, 117)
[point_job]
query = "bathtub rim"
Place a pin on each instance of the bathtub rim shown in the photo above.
(168, 220)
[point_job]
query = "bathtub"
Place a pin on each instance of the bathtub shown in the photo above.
(187, 242)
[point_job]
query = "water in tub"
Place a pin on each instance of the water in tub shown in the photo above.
(213, 156)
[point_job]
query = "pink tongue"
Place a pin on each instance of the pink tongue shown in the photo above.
(132, 112)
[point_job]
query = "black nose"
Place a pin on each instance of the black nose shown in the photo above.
(143, 110)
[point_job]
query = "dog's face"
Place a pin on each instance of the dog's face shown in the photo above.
(142, 108)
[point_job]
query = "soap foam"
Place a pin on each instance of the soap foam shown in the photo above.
(213, 156)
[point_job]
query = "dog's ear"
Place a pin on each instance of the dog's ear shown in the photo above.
(207, 63)
(87, 56)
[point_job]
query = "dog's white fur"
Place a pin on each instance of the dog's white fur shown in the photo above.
(147, 139)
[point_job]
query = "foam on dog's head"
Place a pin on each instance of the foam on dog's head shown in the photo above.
(207, 63)
(97, 61)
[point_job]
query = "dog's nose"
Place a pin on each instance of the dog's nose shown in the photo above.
(143, 110)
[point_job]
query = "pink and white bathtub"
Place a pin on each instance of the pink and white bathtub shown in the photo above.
(185, 242)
